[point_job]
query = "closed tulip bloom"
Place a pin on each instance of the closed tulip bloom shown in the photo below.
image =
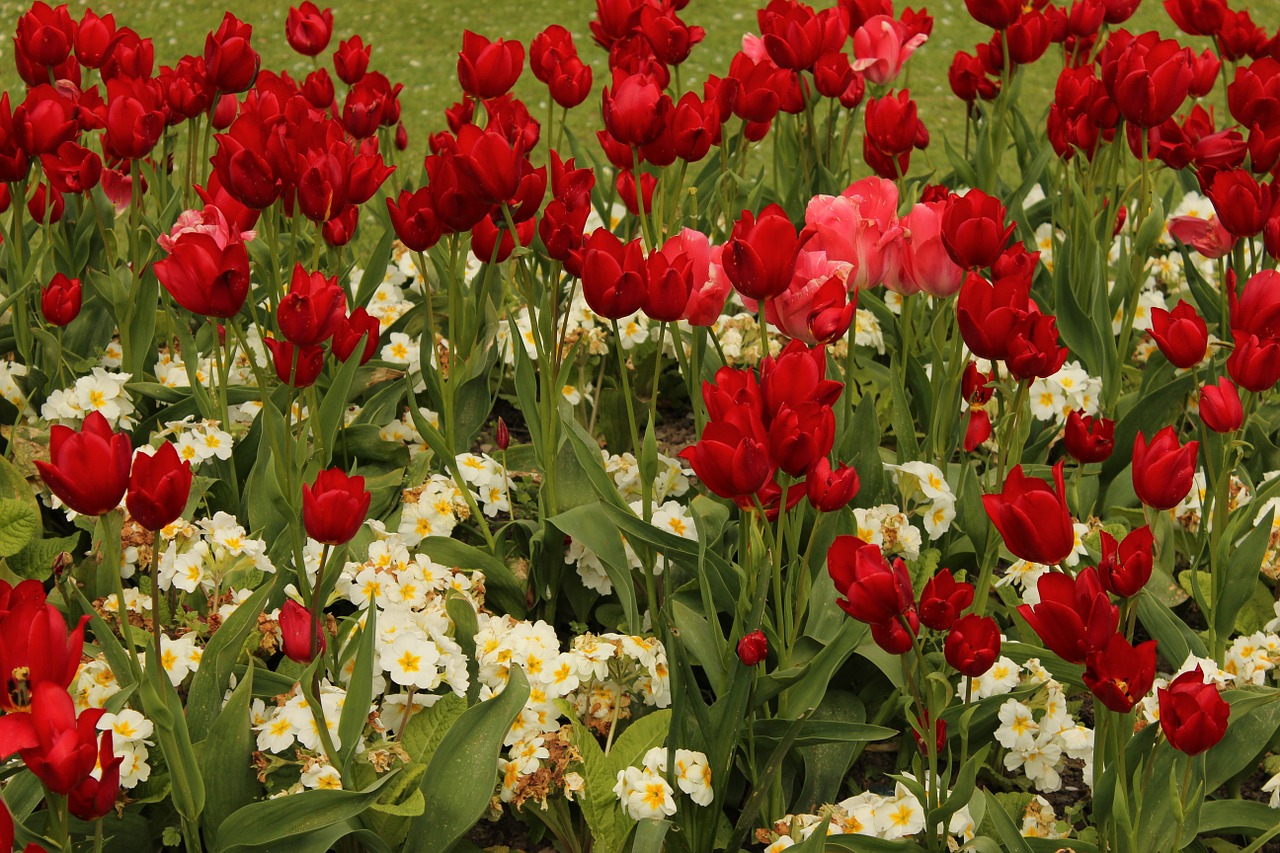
(1120, 675)
(95, 797)
(414, 219)
(1193, 715)
(207, 271)
(972, 645)
(1163, 470)
(351, 60)
(974, 229)
(893, 636)
(1034, 351)
(753, 648)
(1181, 334)
(230, 61)
(635, 109)
(334, 506)
(488, 69)
(1089, 439)
(882, 45)
(614, 275)
(294, 365)
(1125, 567)
(158, 487)
(1197, 17)
(1032, 517)
(729, 461)
(997, 14)
(298, 631)
(313, 308)
(926, 262)
(60, 300)
(1220, 406)
(874, 591)
(1147, 77)
(1254, 364)
(831, 490)
(795, 36)
(943, 599)
(1074, 617)
(88, 470)
(1241, 201)
(988, 312)
(45, 35)
(308, 29)
(760, 257)
(358, 332)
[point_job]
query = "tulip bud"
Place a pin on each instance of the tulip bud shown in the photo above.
(1220, 406)
(1193, 715)
(334, 506)
(299, 630)
(1089, 439)
(972, 645)
(753, 648)
(1163, 470)
(158, 487)
(503, 435)
(60, 300)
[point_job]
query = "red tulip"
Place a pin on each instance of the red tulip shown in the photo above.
(308, 29)
(614, 275)
(874, 592)
(635, 109)
(59, 748)
(1163, 470)
(35, 646)
(795, 36)
(943, 599)
(299, 632)
(1033, 348)
(1147, 77)
(1032, 517)
(294, 365)
(207, 271)
(895, 637)
(488, 69)
(1089, 439)
(95, 798)
(351, 60)
(731, 461)
(1197, 17)
(334, 506)
(1254, 364)
(1075, 617)
(356, 327)
(1193, 715)
(997, 14)
(1120, 675)
(972, 645)
(974, 229)
(760, 257)
(1241, 201)
(230, 61)
(88, 470)
(753, 648)
(60, 300)
(1125, 567)
(1181, 334)
(312, 309)
(158, 488)
(1220, 406)
(414, 219)
(828, 490)
(988, 312)
(800, 436)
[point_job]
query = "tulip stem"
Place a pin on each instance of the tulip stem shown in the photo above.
(156, 632)
(316, 605)
(625, 379)
(58, 826)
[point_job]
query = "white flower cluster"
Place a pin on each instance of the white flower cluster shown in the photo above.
(201, 555)
(925, 490)
(10, 390)
(129, 733)
(432, 509)
(890, 817)
(292, 721)
(1040, 735)
(489, 479)
(1025, 575)
(100, 391)
(581, 324)
(198, 441)
(1188, 511)
(404, 430)
(888, 527)
(172, 371)
(1069, 390)
(645, 793)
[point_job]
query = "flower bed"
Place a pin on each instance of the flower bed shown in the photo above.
(736, 479)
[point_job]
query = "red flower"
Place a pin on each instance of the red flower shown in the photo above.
(753, 648)
(1033, 348)
(358, 326)
(488, 69)
(312, 309)
(614, 275)
(308, 29)
(943, 599)
(1075, 616)
(230, 61)
(795, 36)
(874, 592)
(135, 118)
(1147, 77)
(1193, 715)
(1181, 334)
(35, 646)
(760, 257)
(1125, 567)
(974, 230)
(1163, 470)
(95, 798)
(988, 312)
(1241, 201)
(1033, 518)
(799, 436)
(414, 219)
(1220, 407)
(73, 169)
(972, 645)
(298, 630)
(1197, 17)
(59, 748)
(635, 108)
(997, 14)
(351, 60)
(60, 300)
(829, 490)
(88, 470)
(895, 637)
(1256, 311)
(670, 281)
(1089, 439)
(294, 365)
(1120, 675)
(158, 487)
(45, 35)
(730, 460)
(207, 271)
(1254, 364)
(334, 506)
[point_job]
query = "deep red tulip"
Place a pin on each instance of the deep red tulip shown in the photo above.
(1254, 363)
(1032, 517)
(334, 506)
(35, 646)
(299, 632)
(974, 230)
(1075, 617)
(312, 309)
(1242, 203)
(635, 109)
(294, 365)
(1147, 77)
(45, 35)
(308, 28)
(943, 599)
(502, 435)
(753, 648)
(730, 461)
(799, 436)
(414, 219)
(95, 798)
(795, 36)
(488, 69)
(351, 60)
(1257, 309)
(1089, 439)
(1220, 406)
(354, 329)
(1120, 675)
(760, 257)
(997, 14)
(614, 275)
(59, 748)
(972, 645)
(1193, 715)
(230, 61)
(72, 169)
(158, 487)
(1163, 470)
(1125, 567)
(1181, 334)
(88, 470)
(60, 300)
(1034, 351)
(893, 636)
(207, 271)
(874, 591)
(988, 312)
(1197, 17)
(831, 490)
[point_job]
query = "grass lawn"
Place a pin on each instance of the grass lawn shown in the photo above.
(416, 42)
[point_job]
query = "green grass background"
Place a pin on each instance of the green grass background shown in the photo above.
(416, 42)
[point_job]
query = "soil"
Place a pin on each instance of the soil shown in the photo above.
(505, 835)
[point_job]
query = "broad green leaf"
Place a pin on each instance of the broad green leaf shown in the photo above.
(1254, 720)
(220, 656)
(278, 823)
(18, 524)
(226, 758)
(464, 769)
(816, 732)
(160, 702)
(355, 708)
(36, 558)
(592, 526)
(333, 407)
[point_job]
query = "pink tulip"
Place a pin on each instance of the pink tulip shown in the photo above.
(926, 264)
(790, 311)
(881, 46)
(1206, 236)
(710, 285)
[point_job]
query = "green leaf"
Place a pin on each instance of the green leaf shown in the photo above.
(592, 526)
(226, 758)
(18, 524)
(1254, 720)
(1006, 831)
(608, 823)
(649, 836)
(427, 727)
(1175, 638)
(160, 702)
(37, 557)
(220, 655)
(1231, 817)
(271, 822)
(464, 769)
(376, 269)
(333, 407)
(815, 732)
(355, 708)
(501, 585)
